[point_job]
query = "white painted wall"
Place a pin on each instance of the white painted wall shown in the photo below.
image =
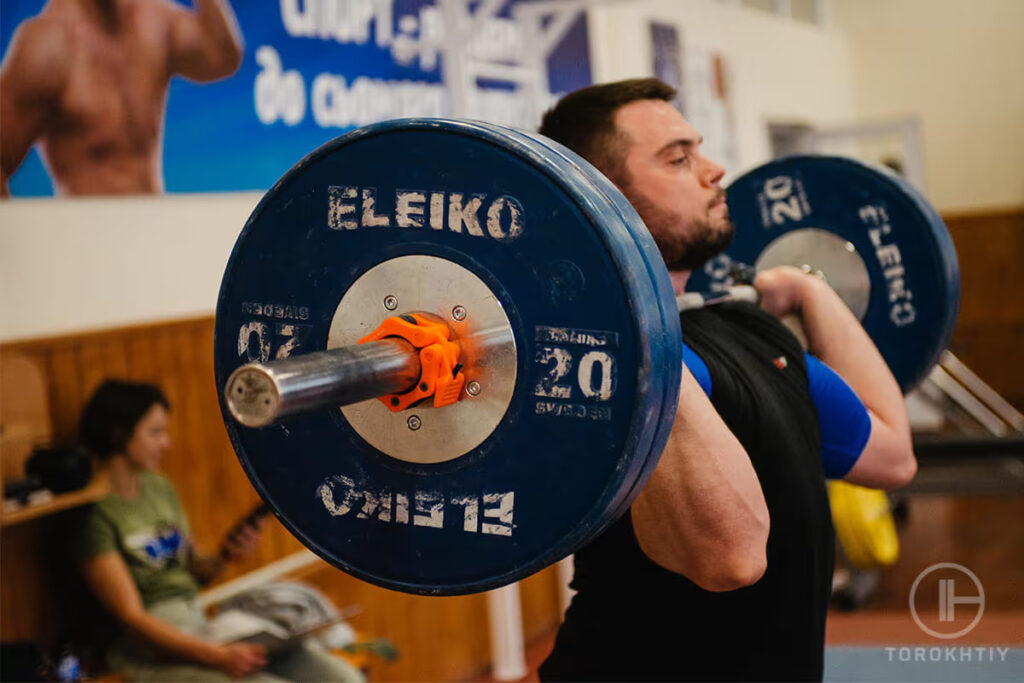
(781, 70)
(79, 264)
(957, 65)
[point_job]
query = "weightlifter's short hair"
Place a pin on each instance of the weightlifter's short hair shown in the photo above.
(584, 120)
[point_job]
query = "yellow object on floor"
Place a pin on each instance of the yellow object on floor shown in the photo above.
(864, 525)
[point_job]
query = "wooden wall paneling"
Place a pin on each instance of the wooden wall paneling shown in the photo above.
(410, 633)
(541, 603)
(165, 357)
(92, 369)
(24, 412)
(218, 456)
(406, 631)
(20, 552)
(989, 247)
(975, 531)
(182, 464)
(370, 622)
(141, 365)
(439, 638)
(996, 354)
(281, 542)
(989, 335)
(36, 580)
(215, 451)
(115, 355)
(456, 631)
(65, 392)
(191, 468)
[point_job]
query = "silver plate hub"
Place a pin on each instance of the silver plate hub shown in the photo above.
(835, 257)
(420, 283)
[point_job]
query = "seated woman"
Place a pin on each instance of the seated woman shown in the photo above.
(138, 559)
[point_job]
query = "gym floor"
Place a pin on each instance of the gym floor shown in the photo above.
(973, 531)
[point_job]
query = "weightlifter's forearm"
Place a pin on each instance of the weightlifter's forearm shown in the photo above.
(702, 514)
(836, 337)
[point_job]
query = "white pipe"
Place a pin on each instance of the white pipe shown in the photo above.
(989, 396)
(258, 577)
(566, 568)
(508, 653)
(967, 401)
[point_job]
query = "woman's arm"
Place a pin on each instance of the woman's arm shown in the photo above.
(238, 544)
(204, 568)
(109, 578)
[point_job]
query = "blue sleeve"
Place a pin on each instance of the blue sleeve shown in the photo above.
(698, 367)
(843, 419)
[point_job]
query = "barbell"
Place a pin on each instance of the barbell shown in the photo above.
(518, 322)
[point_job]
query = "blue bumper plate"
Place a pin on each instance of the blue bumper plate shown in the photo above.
(911, 283)
(597, 350)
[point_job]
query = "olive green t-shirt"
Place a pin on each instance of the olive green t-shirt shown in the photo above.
(151, 534)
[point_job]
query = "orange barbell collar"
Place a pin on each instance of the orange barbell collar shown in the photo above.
(441, 374)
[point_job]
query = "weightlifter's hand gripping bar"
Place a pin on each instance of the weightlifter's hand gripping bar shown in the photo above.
(688, 301)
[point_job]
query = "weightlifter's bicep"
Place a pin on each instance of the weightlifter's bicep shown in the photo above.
(702, 514)
(843, 420)
(857, 445)
(885, 463)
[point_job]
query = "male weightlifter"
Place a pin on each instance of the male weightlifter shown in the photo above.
(89, 79)
(722, 568)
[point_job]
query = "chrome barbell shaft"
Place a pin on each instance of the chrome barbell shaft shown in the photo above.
(260, 393)
(688, 301)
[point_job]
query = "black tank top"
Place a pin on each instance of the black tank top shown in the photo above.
(632, 620)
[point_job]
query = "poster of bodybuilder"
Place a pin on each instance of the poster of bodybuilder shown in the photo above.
(102, 97)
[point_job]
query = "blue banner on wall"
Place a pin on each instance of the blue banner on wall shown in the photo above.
(310, 70)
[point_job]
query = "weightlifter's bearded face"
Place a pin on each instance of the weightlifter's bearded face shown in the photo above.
(673, 187)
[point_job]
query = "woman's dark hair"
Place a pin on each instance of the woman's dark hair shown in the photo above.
(115, 408)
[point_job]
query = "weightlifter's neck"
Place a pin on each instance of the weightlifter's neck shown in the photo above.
(679, 278)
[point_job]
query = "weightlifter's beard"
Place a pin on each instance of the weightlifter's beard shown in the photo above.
(682, 246)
